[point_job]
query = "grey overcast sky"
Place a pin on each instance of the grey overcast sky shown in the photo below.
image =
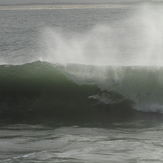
(67, 1)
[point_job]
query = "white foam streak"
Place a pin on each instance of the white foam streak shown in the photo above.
(149, 107)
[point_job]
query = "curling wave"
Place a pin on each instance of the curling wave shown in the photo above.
(57, 90)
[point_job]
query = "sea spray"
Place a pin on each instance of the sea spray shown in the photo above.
(126, 59)
(91, 48)
(135, 41)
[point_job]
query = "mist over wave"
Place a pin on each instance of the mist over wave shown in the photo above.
(124, 58)
(134, 41)
(133, 51)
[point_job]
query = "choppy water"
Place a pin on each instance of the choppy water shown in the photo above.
(52, 60)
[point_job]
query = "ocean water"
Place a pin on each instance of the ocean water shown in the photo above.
(52, 61)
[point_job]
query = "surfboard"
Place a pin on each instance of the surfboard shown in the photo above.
(105, 99)
(94, 97)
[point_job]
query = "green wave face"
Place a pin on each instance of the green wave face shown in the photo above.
(41, 88)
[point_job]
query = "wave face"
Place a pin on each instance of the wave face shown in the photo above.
(41, 88)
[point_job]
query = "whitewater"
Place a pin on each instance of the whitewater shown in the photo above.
(51, 61)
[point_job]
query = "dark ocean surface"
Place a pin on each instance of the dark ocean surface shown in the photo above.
(51, 61)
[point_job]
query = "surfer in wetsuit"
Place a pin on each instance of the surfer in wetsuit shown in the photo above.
(100, 92)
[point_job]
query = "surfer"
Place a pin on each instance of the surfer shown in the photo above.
(100, 94)
(104, 92)
(106, 97)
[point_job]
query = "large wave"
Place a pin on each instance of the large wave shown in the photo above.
(57, 90)
(126, 60)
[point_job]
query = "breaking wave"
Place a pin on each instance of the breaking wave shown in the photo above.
(124, 59)
(41, 88)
